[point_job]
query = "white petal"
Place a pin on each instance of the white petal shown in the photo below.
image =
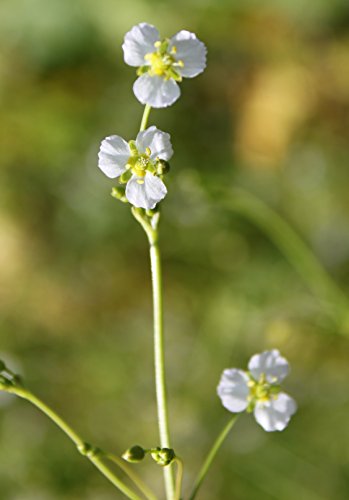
(275, 414)
(157, 141)
(233, 390)
(147, 194)
(156, 91)
(138, 42)
(271, 363)
(113, 155)
(191, 51)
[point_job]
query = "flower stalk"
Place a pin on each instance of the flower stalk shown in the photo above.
(211, 455)
(150, 226)
(94, 455)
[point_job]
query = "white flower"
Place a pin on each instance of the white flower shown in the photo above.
(258, 390)
(162, 63)
(137, 161)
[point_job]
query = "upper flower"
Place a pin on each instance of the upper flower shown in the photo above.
(162, 63)
(258, 390)
(138, 163)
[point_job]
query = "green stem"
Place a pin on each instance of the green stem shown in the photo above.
(179, 478)
(159, 356)
(159, 359)
(94, 455)
(145, 117)
(211, 455)
(132, 475)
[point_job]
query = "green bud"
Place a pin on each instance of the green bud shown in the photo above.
(134, 454)
(119, 194)
(162, 167)
(163, 456)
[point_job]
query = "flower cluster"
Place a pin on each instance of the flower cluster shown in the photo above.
(258, 390)
(140, 164)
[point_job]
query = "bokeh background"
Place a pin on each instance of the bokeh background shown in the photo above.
(268, 117)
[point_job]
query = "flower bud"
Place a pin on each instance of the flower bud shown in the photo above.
(162, 167)
(163, 456)
(134, 454)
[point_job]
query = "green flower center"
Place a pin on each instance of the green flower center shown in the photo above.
(261, 391)
(162, 62)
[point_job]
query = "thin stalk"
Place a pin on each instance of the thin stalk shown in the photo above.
(151, 230)
(159, 361)
(179, 478)
(211, 455)
(145, 117)
(132, 475)
(94, 455)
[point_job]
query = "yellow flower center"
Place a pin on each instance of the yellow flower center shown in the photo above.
(261, 390)
(162, 62)
(139, 163)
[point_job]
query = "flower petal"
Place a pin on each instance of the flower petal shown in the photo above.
(271, 363)
(233, 390)
(113, 155)
(156, 91)
(191, 51)
(274, 415)
(157, 141)
(147, 193)
(138, 42)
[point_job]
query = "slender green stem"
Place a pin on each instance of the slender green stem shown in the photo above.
(150, 227)
(132, 475)
(145, 117)
(159, 359)
(94, 455)
(211, 455)
(179, 478)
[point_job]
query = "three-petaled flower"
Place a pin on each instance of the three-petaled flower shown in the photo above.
(259, 390)
(162, 63)
(138, 164)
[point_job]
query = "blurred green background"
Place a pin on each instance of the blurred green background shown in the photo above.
(269, 115)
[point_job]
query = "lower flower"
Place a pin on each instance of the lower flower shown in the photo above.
(258, 390)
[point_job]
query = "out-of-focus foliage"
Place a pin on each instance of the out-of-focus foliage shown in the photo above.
(270, 114)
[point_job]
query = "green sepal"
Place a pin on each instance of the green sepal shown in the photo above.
(119, 193)
(142, 69)
(172, 73)
(133, 147)
(125, 177)
(162, 167)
